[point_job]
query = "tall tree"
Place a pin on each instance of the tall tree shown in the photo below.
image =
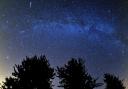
(73, 75)
(33, 73)
(113, 82)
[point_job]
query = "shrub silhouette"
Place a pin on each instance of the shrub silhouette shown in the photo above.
(113, 82)
(73, 75)
(33, 73)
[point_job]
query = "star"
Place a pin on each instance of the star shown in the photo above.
(30, 4)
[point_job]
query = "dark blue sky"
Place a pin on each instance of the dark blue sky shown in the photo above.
(95, 30)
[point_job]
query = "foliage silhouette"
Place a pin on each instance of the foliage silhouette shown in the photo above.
(73, 75)
(36, 73)
(11, 83)
(33, 73)
(113, 82)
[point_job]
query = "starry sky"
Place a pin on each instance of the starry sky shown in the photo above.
(95, 30)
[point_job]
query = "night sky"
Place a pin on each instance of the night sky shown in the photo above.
(95, 30)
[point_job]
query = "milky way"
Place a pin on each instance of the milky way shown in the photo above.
(93, 30)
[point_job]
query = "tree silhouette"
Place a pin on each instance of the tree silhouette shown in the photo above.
(33, 73)
(74, 76)
(113, 82)
(11, 83)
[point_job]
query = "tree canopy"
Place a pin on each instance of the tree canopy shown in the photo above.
(33, 73)
(113, 82)
(36, 73)
(74, 75)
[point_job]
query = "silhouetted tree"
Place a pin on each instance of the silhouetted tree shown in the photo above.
(11, 83)
(74, 76)
(33, 73)
(113, 82)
